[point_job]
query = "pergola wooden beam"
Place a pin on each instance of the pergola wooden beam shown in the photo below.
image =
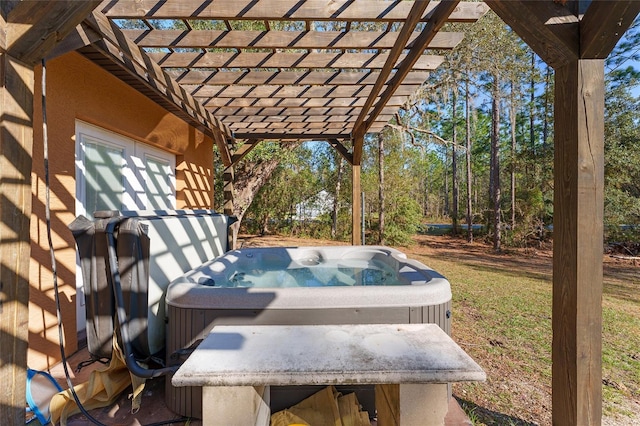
(342, 150)
(356, 200)
(36, 27)
(283, 10)
(16, 142)
(603, 25)
(549, 28)
(207, 39)
(126, 53)
(407, 30)
(227, 180)
(79, 37)
(308, 60)
(243, 150)
(222, 143)
(578, 233)
(437, 20)
(28, 31)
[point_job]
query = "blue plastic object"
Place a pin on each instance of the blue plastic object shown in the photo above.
(41, 387)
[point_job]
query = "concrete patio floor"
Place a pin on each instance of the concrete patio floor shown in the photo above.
(153, 410)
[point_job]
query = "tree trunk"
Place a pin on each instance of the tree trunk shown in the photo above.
(446, 183)
(495, 164)
(468, 157)
(547, 103)
(264, 229)
(454, 165)
(427, 190)
(381, 187)
(532, 107)
(334, 213)
(247, 181)
(512, 171)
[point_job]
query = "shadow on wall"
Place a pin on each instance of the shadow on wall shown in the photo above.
(44, 350)
(194, 185)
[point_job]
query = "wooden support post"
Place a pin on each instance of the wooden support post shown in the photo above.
(16, 142)
(227, 178)
(356, 206)
(577, 251)
(28, 32)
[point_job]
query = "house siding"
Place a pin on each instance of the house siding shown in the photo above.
(77, 89)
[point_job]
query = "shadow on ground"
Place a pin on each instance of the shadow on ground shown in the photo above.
(478, 414)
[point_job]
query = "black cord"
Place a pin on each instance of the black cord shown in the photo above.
(54, 268)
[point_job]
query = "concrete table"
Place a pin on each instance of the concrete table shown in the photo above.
(410, 364)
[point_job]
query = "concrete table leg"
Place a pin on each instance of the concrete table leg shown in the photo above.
(235, 406)
(411, 404)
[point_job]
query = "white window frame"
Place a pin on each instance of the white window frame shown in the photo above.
(144, 151)
(134, 175)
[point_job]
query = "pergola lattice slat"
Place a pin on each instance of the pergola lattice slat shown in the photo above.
(287, 77)
(296, 111)
(315, 10)
(310, 60)
(203, 39)
(297, 102)
(326, 91)
(308, 118)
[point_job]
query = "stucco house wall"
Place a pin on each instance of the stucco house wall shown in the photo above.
(77, 89)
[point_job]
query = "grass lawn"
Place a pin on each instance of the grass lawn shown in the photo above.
(502, 318)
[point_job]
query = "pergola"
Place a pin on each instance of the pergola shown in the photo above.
(315, 70)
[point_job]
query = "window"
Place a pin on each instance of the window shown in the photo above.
(117, 173)
(159, 192)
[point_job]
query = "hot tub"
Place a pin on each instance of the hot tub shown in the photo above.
(298, 285)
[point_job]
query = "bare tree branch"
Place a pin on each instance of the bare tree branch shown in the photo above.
(411, 129)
